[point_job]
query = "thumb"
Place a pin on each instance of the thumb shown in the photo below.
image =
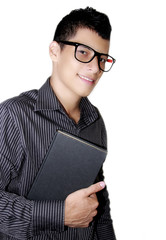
(94, 188)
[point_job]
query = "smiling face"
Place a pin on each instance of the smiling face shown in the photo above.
(70, 76)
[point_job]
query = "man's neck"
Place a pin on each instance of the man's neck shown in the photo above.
(69, 101)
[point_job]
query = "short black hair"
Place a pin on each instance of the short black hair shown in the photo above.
(83, 18)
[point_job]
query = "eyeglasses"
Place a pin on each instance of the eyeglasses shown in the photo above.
(86, 54)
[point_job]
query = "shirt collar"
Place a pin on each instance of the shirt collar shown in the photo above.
(88, 111)
(47, 100)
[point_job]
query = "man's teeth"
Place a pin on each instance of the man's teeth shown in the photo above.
(90, 80)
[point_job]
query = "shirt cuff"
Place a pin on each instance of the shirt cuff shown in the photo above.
(48, 216)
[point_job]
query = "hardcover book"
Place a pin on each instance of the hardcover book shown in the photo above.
(70, 164)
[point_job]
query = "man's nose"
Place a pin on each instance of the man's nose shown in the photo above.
(94, 65)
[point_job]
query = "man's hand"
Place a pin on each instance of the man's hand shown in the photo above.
(81, 206)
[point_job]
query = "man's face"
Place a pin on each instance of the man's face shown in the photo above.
(76, 77)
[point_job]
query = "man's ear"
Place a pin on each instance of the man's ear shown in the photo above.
(54, 51)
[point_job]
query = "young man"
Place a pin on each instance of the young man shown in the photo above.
(28, 123)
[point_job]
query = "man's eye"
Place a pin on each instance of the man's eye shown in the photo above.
(82, 52)
(103, 60)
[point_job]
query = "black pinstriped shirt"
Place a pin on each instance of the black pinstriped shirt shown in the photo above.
(27, 126)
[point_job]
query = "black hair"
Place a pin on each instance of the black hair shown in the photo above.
(83, 18)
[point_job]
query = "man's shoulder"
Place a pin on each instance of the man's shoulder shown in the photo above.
(21, 101)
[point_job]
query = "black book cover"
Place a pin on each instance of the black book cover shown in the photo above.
(70, 164)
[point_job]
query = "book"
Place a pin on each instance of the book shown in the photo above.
(69, 165)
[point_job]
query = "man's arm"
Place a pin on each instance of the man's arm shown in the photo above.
(19, 217)
(81, 206)
(22, 218)
(104, 226)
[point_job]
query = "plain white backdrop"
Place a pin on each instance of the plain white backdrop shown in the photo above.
(131, 98)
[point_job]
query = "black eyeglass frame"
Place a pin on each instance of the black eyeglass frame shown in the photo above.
(76, 44)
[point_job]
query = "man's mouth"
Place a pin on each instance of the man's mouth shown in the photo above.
(86, 79)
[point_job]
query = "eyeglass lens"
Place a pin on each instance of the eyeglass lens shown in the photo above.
(85, 54)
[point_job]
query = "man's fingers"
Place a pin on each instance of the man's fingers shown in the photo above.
(94, 188)
(94, 196)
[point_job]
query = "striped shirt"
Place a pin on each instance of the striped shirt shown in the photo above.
(28, 124)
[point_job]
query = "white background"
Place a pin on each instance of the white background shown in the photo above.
(132, 97)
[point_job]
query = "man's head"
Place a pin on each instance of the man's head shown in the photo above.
(83, 18)
(79, 52)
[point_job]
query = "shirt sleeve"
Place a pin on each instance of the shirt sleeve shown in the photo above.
(19, 217)
(104, 226)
